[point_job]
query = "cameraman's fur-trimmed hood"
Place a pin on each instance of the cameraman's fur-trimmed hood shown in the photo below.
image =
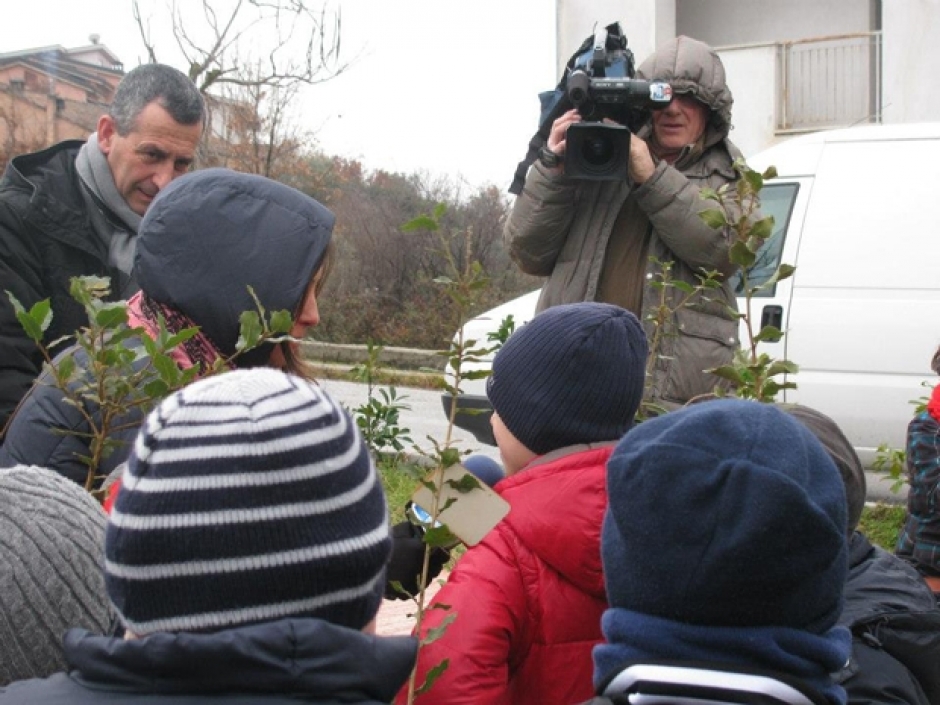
(691, 66)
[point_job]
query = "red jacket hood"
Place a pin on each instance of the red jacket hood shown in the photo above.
(558, 504)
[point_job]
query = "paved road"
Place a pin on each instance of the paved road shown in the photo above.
(426, 418)
(425, 415)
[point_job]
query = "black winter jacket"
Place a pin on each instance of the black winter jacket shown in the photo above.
(46, 238)
(287, 661)
(895, 626)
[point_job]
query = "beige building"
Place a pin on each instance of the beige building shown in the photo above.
(49, 94)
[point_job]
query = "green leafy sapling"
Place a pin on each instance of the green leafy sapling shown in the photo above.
(125, 372)
(379, 418)
(754, 374)
(464, 284)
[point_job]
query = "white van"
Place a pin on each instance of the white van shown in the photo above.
(857, 211)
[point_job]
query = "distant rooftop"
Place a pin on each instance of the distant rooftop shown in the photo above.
(93, 54)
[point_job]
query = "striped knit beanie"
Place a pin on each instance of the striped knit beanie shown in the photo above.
(51, 538)
(248, 497)
(573, 374)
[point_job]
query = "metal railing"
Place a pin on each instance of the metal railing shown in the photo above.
(829, 81)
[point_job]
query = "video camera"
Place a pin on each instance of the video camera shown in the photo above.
(602, 84)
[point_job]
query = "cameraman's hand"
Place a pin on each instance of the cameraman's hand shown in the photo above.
(556, 138)
(642, 165)
(407, 559)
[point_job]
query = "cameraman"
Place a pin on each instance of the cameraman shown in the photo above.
(594, 240)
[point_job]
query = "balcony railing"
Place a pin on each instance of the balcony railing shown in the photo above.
(829, 82)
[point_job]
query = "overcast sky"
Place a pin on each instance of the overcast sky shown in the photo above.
(449, 87)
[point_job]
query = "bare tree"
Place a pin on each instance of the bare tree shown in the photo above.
(275, 43)
(251, 59)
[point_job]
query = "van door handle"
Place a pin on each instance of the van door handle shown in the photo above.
(772, 315)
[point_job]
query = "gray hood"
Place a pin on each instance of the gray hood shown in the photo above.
(211, 234)
(691, 66)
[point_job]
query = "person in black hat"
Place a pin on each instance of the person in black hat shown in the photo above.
(528, 598)
(888, 607)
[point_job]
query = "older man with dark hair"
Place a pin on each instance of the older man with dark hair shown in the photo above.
(73, 209)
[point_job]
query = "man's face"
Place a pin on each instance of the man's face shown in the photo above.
(682, 123)
(151, 155)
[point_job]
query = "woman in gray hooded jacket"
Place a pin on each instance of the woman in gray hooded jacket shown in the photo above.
(596, 240)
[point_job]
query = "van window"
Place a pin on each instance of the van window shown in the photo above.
(776, 200)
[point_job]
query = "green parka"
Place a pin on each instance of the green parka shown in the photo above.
(559, 228)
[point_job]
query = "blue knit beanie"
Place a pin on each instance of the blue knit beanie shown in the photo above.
(573, 374)
(727, 513)
(248, 497)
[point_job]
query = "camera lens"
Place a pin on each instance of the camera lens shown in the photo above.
(598, 150)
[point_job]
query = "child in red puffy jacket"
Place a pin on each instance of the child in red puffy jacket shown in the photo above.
(529, 597)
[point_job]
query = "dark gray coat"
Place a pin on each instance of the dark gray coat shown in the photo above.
(895, 626)
(287, 661)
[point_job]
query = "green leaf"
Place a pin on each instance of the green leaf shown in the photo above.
(37, 320)
(181, 337)
(433, 673)
(740, 255)
(281, 322)
(770, 172)
(467, 483)
(708, 194)
(763, 228)
(165, 367)
(784, 271)
(754, 180)
(439, 536)
(112, 315)
(768, 334)
(436, 633)
(66, 367)
(249, 332)
(450, 456)
(422, 222)
(782, 367)
(476, 374)
(714, 218)
(728, 372)
(156, 389)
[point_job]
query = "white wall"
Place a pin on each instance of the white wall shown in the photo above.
(724, 22)
(645, 22)
(911, 61)
(751, 74)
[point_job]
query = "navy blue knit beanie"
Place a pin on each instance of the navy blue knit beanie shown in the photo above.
(248, 497)
(573, 374)
(727, 513)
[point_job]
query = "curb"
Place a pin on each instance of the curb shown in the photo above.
(347, 354)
